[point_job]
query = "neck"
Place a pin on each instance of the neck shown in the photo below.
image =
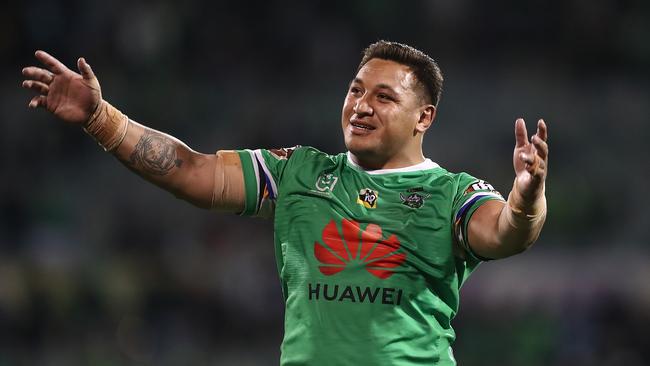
(374, 163)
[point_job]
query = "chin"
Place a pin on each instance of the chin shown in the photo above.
(362, 150)
(357, 147)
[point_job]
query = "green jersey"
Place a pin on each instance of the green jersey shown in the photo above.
(371, 262)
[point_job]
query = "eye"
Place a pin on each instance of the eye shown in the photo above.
(384, 97)
(355, 90)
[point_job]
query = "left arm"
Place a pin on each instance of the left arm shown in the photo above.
(498, 229)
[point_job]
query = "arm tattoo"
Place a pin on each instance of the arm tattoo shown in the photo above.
(155, 153)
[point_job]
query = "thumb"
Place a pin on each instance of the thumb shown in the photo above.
(521, 135)
(85, 69)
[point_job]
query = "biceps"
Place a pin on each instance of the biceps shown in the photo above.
(216, 181)
(228, 192)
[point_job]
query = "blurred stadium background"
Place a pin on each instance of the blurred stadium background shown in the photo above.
(97, 267)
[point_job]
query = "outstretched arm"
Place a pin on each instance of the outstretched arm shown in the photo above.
(498, 229)
(206, 180)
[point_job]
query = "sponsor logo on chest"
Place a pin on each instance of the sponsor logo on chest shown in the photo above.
(360, 294)
(358, 248)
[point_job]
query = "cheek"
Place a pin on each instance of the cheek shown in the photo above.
(347, 105)
(400, 127)
(346, 111)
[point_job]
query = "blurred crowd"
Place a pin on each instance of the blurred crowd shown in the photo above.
(97, 267)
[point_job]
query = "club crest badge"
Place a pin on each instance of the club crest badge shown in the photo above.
(412, 198)
(368, 198)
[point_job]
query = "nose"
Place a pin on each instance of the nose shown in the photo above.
(361, 107)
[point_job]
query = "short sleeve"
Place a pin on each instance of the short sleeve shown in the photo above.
(263, 169)
(470, 195)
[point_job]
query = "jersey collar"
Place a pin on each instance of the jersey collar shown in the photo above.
(425, 165)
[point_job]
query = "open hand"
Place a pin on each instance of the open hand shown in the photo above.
(530, 159)
(68, 95)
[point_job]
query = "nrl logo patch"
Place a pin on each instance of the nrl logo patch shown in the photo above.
(414, 199)
(326, 182)
(368, 198)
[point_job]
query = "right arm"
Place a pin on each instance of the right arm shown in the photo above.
(205, 180)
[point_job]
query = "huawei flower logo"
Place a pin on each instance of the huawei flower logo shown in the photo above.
(337, 251)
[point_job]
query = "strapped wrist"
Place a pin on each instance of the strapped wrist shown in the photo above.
(522, 210)
(107, 125)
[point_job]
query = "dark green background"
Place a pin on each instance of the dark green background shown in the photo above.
(97, 267)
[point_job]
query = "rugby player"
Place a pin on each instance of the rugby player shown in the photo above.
(372, 245)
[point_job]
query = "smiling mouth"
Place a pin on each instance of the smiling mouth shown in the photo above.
(361, 125)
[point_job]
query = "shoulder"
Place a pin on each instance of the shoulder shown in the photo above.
(441, 174)
(460, 179)
(460, 183)
(309, 154)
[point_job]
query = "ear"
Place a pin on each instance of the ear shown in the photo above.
(427, 115)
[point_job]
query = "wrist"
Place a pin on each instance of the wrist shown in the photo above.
(95, 113)
(107, 125)
(530, 207)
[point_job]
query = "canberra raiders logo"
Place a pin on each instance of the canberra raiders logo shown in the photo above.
(414, 199)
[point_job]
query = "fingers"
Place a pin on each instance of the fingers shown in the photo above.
(521, 135)
(85, 69)
(539, 139)
(534, 158)
(534, 164)
(541, 146)
(527, 157)
(52, 64)
(542, 130)
(37, 86)
(537, 169)
(37, 73)
(38, 101)
(533, 155)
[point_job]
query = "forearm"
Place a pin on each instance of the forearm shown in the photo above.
(168, 163)
(500, 229)
(521, 220)
(157, 157)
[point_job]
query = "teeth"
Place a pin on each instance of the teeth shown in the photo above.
(362, 126)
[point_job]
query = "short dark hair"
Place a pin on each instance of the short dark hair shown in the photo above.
(426, 70)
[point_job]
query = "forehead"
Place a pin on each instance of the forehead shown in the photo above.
(395, 75)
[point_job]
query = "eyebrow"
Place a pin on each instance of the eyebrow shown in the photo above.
(380, 86)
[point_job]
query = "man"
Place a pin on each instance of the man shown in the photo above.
(372, 245)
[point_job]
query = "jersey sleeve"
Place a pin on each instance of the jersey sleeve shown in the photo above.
(263, 169)
(470, 195)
